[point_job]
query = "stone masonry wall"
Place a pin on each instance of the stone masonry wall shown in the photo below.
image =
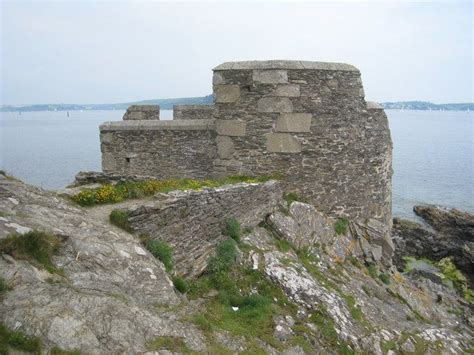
(192, 221)
(193, 112)
(142, 112)
(306, 122)
(164, 149)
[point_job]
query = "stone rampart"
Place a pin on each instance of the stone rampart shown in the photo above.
(307, 122)
(163, 149)
(193, 112)
(192, 221)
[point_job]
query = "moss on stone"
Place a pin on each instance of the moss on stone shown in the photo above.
(341, 226)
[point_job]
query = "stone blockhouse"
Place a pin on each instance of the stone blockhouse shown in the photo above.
(305, 122)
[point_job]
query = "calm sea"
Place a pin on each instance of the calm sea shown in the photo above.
(433, 152)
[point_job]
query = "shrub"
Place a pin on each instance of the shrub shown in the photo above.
(162, 251)
(3, 285)
(35, 246)
(341, 226)
(120, 219)
(373, 271)
(109, 193)
(385, 278)
(232, 229)
(225, 258)
(18, 340)
(180, 284)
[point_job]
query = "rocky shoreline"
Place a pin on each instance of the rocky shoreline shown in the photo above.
(289, 280)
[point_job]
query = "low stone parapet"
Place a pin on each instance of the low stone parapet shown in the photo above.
(193, 112)
(192, 221)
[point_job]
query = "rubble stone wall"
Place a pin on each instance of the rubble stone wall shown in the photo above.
(193, 112)
(192, 221)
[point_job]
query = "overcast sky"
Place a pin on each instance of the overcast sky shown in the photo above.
(107, 52)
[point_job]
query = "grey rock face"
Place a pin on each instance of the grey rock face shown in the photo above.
(103, 302)
(452, 237)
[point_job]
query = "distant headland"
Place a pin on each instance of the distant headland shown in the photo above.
(167, 104)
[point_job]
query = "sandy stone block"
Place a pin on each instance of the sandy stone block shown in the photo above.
(282, 143)
(270, 76)
(289, 90)
(227, 93)
(294, 122)
(232, 128)
(274, 104)
(225, 147)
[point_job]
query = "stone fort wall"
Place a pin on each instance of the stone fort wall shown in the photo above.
(306, 122)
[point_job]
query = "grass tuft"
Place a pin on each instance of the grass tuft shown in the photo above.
(385, 278)
(35, 246)
(341, 226)
(120, 219)
(291, 197)
(180, 284)
(173, 344)
(162, 251)
(225, 258)
(232, 229)
(18, 340)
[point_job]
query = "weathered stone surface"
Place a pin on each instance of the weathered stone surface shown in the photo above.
(103, 300)
(274, 104)
(289, 90)
(192, 221)
(225, 147)
(142, 112)
(270, 76)
(451, 239)
(375, 239)
(217, 79)
(231, 128)
(282, 143)
(294, 122)
(193, 112)
(285, 64)
(227, 93)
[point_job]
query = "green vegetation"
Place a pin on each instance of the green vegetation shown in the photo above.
(3, 285)
(341, 226)
(173, 344)
(386, 346)
(120, 219)
(232, 229)
(329, 334)
(447, 270)
(385, 278)
(373, 271)
(121, 191)
(162, 251)
(180, 284)
(35, 246)
(452, 274)
(225, 258)
(18, 340)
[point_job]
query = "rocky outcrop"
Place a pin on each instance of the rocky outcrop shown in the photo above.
(103, 299)
(303, 226)
(452, 236)
(107, 294)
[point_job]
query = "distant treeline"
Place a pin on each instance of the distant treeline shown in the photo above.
(423, 105)
(167, 104)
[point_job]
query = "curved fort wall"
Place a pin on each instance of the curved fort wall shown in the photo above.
(306, 122)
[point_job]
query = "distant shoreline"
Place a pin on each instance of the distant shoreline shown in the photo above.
(167, 104)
